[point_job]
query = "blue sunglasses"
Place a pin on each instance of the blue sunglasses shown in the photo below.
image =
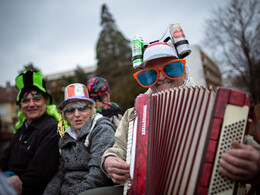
(36, 96)
(173, 70)
(81, 108)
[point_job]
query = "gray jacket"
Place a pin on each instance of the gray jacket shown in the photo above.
(79, 168)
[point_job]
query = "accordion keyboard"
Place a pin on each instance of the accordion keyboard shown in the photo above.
(233, 128)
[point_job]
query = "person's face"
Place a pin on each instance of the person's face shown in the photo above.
(33, 105)
(163, 82)
(77, 114)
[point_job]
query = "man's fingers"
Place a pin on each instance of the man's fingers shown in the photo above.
(117, 169)
(16, 183)
(227, 173)
(116, 162)
(237, 145)
(243, 152)
(240, 163)
(116, 165)
(234, 165)
(121, 164)
(119, 179)
(235, 160)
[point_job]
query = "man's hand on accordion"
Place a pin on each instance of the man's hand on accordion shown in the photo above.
(242, 162)
(117, 169)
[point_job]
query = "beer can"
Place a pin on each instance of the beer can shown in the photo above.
(137, 51)
(179, 41)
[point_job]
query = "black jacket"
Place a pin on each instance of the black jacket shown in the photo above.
(33, 154)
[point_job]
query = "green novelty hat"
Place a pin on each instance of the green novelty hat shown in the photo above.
(29, 80)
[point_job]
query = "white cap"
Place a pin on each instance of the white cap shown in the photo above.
(158, 50)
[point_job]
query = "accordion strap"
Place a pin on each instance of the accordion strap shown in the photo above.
(255, 120)
(256, 117)
(255, 188)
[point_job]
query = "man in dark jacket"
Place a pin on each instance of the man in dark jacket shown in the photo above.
(33, 155)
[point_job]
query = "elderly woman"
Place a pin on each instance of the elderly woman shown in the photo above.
(82, 144)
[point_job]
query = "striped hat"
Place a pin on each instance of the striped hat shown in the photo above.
(75, 91)
(30, 80)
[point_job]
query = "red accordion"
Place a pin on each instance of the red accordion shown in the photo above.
(178, 137)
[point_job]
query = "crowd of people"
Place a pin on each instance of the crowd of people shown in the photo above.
(87, 154)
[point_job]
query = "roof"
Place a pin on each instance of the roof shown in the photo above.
(8, 94)
(54, 76)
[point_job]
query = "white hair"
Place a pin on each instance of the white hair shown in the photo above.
(188, 80)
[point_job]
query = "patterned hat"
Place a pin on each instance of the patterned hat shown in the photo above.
(97, 86)
(75, 91)
(30, 80)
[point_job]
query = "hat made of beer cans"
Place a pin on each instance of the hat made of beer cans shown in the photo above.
(158, 50)
(75, 91)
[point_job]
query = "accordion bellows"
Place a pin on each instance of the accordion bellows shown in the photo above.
(178, 137)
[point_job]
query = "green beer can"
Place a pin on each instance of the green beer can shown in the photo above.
(137, 51)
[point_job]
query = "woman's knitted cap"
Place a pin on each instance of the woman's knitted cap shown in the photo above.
(97, 86)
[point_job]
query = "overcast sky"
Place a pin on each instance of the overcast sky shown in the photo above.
(58, 35)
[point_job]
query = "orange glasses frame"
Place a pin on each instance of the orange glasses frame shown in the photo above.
(161, 69)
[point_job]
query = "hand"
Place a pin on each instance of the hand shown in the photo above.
(16, 183)
(117, 169)
(242, 162)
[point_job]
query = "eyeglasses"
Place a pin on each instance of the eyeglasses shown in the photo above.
(36, 96)
(69, 110)
(173, 70)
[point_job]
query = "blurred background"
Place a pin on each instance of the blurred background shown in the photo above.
(72, 41)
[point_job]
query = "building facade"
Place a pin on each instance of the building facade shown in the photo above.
(202, 69)
(8, 109)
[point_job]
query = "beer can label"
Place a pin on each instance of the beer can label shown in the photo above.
(179, 41)
(178, 34)
(137, 51)
(137, 47)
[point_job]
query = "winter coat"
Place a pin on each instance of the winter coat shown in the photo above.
(33, 154)
(79, 168)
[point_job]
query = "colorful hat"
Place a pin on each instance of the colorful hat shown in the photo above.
(75, 91)
(29, 80)
(158, 50)
(97, 86)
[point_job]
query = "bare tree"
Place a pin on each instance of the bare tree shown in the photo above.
(234, 34)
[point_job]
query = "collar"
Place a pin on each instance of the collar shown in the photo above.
(68, 136)
(39, 123)
(26, 124)
(71, 133)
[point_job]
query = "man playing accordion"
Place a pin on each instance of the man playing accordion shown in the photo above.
(162, 70)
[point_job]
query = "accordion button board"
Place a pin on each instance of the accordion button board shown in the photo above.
(233, 128)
